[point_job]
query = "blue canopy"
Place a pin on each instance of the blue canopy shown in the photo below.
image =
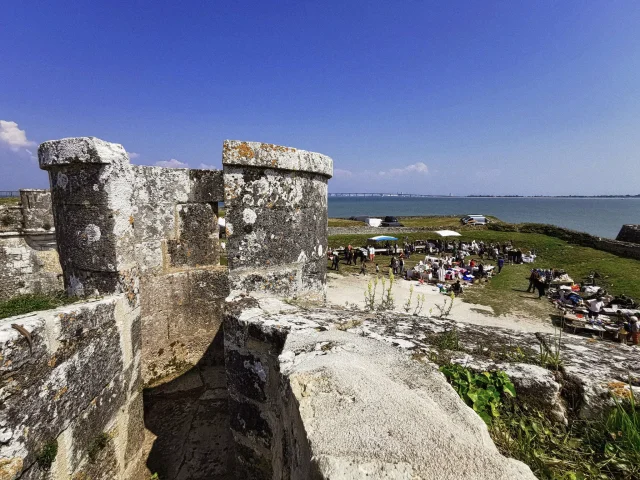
(382, 238)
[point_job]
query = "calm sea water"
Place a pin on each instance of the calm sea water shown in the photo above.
(599, 216)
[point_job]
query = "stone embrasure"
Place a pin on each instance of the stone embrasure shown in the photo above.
(266, 155)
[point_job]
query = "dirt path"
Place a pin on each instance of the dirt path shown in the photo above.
(349, 289)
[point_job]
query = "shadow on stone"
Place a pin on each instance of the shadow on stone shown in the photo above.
(189, 418)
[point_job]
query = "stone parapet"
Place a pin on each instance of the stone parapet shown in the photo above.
(92, 194)
(308, 400)
(267, 155)
(70, 385)
(276, 217)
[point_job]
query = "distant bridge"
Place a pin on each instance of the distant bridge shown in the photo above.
(9, 193)
(380, 195)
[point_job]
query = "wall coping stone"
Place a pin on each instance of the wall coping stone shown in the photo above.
(79, 150)
(267, 155)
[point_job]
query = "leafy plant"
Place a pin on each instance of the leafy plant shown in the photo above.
(33, 302)
(446, 307)
(387, 302)
(551, 356)
(447, 340)
(420, 304)
(407, 304)
(370, 295)
(483, 392)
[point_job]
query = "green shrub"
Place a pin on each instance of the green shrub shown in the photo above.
(483, 392)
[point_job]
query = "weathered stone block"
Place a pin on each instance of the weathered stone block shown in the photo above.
(247, 375)
(247, 419)
(197, 240)
(266, 155)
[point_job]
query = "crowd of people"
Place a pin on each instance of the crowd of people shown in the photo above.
(444, 260)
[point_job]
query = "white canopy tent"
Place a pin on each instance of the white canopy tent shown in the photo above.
(448, 233)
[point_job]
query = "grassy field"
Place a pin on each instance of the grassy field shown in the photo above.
(434, 222)
(33, 302)
(342, 222)
(506, 293)
(9, 200)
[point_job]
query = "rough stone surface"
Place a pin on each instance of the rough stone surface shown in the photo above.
(276, 217)
(330, 404)
(629, 233)
(28, 257)
(68, 384)
(266, 155)
(590, 370)
(24, 269)
(182, 317)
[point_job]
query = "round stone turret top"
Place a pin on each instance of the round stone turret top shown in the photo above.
(267, 155)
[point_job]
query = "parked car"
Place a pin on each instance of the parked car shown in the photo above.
(474, 220)
(391, 222)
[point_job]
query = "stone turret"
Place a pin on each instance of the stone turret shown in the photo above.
(629, 233)
(91, 188)
(276, 204)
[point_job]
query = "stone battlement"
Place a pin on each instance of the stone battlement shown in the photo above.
(28, 258)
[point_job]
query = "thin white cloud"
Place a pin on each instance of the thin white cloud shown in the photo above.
(418, 168)
(13, 137)
(172, 163)
(340, 173)
(32, 157)
(133, 155)
(204, 166)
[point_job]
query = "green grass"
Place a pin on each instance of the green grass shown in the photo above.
(505, 293)
(32, 303)
(434, 222)
(602, 448)
(343, 222)
(9, 200)
(440, 222)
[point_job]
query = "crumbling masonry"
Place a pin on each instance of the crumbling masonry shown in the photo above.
(174, 364)
(28, 257)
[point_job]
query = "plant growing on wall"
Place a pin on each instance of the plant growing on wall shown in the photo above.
(446, 307)
(484, 392)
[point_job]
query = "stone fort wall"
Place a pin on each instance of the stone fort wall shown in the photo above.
(28, 256)
(171, 364)
(144, 242)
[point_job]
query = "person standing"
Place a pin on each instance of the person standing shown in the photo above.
(500, 264)
(635, 330)
(532, 281)
(595, 306)
(363, 268)
(540, 285)
(401, 265)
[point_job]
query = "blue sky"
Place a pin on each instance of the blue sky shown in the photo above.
(415, 96)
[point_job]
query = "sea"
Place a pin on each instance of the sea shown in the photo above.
(602, 217)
